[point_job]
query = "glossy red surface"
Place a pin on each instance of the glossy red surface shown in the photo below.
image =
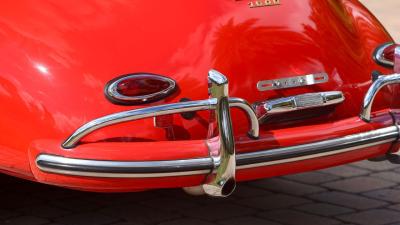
(57, 56)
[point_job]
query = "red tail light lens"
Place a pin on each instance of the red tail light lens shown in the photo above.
(139, 88)
(384, 54)
(388, 53)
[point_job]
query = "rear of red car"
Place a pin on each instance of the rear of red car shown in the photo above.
(127, 96)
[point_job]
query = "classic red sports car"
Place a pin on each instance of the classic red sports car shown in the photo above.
(116, 96)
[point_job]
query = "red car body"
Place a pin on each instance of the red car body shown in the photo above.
(57, 57)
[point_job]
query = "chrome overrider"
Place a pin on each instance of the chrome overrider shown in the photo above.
(221, 181)
(223, 162)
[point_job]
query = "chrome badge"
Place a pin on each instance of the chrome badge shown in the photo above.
(263, 3)
(291, 82)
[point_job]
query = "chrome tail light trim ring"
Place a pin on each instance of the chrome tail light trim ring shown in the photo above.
(112, 94)
(376, 86)
(379, 57)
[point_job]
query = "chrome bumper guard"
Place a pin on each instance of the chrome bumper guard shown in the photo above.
(223, 161)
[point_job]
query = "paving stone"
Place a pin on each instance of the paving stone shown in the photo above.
(359, 184)
(287, 186)
(388, 175)
(276, 201)
(324, 209)
(390, 195)
(250, 220)
(127, 223)
(24, 220)
(312, 177)
(80, 204)
(4, 214)
(187, 221)
(348, 200)
(137, 213)
(372, 217)
(291, 217)
(15, 200)
(108, 199)
(345, 171)
(376, 166)
(395, 207)
(57, 193)
(244, 191)
(86, 219)
(218, 211)
(44, 211)
(170, 204)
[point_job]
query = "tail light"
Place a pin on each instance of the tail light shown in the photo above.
(135, 89)
(384, 55)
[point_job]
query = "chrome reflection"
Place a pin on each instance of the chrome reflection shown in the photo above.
(291, 82)
(297, 102)
(131, 115)
(379, 55)
(376, 86)
(221, 182)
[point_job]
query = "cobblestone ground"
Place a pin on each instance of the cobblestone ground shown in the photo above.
(365, 193)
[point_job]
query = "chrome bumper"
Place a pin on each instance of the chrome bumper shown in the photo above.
(126, 169)
(222, 163)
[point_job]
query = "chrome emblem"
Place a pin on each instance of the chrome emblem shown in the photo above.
(291, 82)
(263, 3)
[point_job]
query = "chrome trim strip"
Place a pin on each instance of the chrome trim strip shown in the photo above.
(376, 86)
(101, 168)
(379, 57)
(301, 158)
(85, 167)
(291, 82)
(317, 149)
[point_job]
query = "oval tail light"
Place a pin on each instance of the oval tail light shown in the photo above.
(384, 54)
(133, 89)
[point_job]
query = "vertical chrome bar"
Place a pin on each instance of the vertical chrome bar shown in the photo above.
(221, 182)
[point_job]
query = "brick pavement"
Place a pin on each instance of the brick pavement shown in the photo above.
(364, 193)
